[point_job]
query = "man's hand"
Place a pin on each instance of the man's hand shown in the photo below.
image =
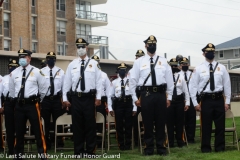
(138, 104)
(198, 108)
(112, 113)
(1, 110)
(168, 103)
(134, 113)
(186, 108)
(226, 107)
(97, 102)
(66, 105)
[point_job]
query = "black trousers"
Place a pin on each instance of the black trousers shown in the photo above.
(51, 108)
(101, 109)
(124, 123)
(10, 125)
(84, 124)
(31, 112)
(154, 109)
(175, 122)
(213, 111)
(190, 122)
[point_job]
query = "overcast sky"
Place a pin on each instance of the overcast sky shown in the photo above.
(180, 26)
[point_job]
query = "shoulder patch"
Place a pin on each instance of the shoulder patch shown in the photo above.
(41, 73)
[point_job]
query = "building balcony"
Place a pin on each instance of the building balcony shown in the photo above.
(94, 41)
(95, 2)
(93, 18)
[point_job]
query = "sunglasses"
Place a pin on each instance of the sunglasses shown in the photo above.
(81, 46)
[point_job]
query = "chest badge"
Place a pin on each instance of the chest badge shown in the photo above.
(57, 73)
(159, 63)
(31, 74)
(179, 80)
(90, 66)
(218, 68)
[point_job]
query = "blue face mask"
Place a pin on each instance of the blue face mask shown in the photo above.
(51, 62)
(23, 62)
(122, 73)
(11, 69)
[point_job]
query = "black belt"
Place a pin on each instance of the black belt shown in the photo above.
(178, 98)
(104, 98)
(92, 93)
(215, 95)
(30, 100)
(124, 99)
(161, 88)
(54, 97)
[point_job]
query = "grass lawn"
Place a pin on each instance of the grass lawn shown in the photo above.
(192, 152)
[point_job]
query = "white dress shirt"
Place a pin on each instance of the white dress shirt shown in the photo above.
(141, 69)
(181, 87)
(1, 90)
(58, 80)
(6, 85)
(92, 75)
(201, 76)
(36, 82)
(189, 77)
(115, 91)
(105, 84)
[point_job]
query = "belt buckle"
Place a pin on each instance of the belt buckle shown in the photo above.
(23, 101)
(79, 94)
(51, 97)
(154, 89)
(213, 96)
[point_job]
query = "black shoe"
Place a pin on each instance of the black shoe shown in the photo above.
(148, 153)
(162, 154)
(1, 150)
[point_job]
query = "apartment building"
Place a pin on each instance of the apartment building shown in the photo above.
(50, 25)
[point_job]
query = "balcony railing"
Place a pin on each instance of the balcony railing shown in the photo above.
(33, 10)
(91, 15)
(61, 14)
(5, 6)
(61, 38)
(6, 32)
(92, 39)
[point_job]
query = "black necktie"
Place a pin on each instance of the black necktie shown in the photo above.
(23, 84)
(122, 89)
(175, 89)
(51, 84)
(83, 79)
(185, 74)
(153, 73)
(212, 86)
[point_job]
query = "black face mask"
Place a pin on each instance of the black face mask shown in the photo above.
(209, 55)
(51, 62)
(151, 49)
(185, 68)
(11, 69)
(122, 73)
(174, 70)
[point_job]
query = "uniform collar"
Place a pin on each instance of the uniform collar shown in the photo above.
(85, 59)
(213, 63)
(27, 68)
(120, 79)
(50, 68)
(154, 57)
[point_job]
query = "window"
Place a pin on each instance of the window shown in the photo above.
(83, 29)
(33, 27)
(83, 6)
(61, 5)
(33, 3)
(221, 54)
(6, 45)
(34, 47)
(236, 53)
(60, 50)
(61, 28)
(6, 20)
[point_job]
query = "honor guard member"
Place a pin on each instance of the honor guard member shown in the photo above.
(190, 114)
(52, 102)
(105, 90)
(180, 103)
(152, 76)
(124, 108)
(9, 108)
(1, 112)
(25, 83)
(138, 54)
(212, 81)
(83, 78)
(43, 64)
